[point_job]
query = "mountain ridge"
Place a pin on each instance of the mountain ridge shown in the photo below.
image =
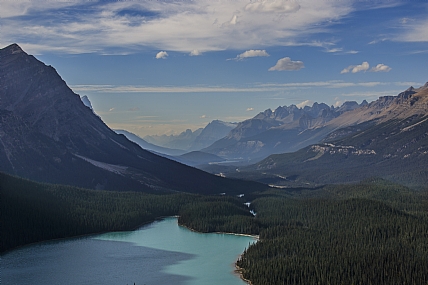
(289, 128)
(391, 143)
(48, 135)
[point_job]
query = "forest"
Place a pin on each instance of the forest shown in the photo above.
(372, 232)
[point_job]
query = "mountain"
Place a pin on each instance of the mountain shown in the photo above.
(181, 141)
(192, 141)
(286, 129)
(48, 135)
(388, 139)
(212, 132)
(149, 146)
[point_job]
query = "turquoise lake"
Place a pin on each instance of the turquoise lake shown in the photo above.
(157, 254)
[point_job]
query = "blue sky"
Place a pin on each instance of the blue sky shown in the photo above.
(155, 67)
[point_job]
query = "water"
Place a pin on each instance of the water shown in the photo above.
(160, 253)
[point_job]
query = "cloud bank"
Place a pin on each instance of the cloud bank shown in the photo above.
(82, 26)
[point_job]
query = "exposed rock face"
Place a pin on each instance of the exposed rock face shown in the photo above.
(285, 129)
(47, 134)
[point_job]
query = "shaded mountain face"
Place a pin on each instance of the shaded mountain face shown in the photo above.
(391, 143)
(286, 129)
(47, 134)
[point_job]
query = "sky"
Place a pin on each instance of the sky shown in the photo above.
(164, 66)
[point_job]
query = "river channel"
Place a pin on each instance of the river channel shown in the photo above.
(160, 253)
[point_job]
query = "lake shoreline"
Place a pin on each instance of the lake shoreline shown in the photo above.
(238, 270)
(86, 235)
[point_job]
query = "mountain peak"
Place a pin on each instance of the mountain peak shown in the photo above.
(13, 49)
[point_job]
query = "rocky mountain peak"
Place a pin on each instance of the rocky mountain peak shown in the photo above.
(424, 87)
(12, 49)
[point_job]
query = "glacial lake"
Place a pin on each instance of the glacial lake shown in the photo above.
(159, 253)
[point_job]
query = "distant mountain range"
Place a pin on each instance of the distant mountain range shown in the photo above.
(149, 146)
(285, 129)
(387, 138)
(193, 140)
(192, 158)
(47, 134)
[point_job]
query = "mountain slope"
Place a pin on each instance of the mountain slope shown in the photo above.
(392, 143)
(285, 129)
(47, 134)
(149, 146)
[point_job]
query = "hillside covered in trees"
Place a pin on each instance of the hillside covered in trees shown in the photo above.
(373, 232)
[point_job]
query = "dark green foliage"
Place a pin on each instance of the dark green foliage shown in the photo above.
(222, 214)
(338, 241)
(33, 212)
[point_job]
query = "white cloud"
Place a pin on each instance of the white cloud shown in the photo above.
(287, 64)
(234, 20)
(161, 55)
(181, 26)
(417, 31)
(111, 109)
(250, 109)
(305, 103)
(203, 117)
(381, 68)
(266, 87)
(279, 6)
(251, 53)
(404, 21)
(356, 68)
(338, 103)
(378, 41)
(333, 50)
(195, 52)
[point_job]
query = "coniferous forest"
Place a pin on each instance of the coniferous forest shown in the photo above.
(373, 232)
